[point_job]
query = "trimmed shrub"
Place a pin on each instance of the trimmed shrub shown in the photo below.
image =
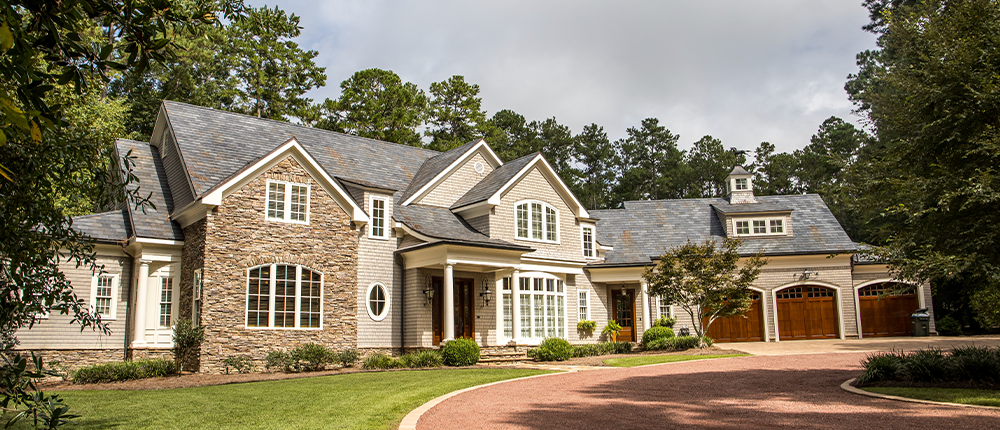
(586, 325)
(348, 357)
(707, 340)
(239, 363)
(584, 350)
(948, 326)
(380, 361)
(621, 347)
(554, 349)
(679, 343)
(420, 359)
(187, 339)
(964, 364)
(665, 321)
(460, 352)
(278, 360)
(657, 332)
(927, 365)
(881, 366)
(310, 357)
(124, 371)
(976, 363)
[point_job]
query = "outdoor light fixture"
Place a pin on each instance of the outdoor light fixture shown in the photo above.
(806, 274)
(487, 295)
(429, 290)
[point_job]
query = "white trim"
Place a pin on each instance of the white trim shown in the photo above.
(918, 291)
(287, 201)
(196, 283)
(767, 226)
(837, 298)
(481, 144)
(293, 148)
(593, 242)
(159, 241)
(113, 308)
(368, 303)
(524, 298)
(590, 311)
(562, 188)
(385, 218)
(271, 293)
(545, 223)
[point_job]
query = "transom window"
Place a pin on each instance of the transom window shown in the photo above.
(284, 296)
(378, 301)
(287, 202)
(378, 218)
(884, 289)
(759, 226)
(537, 221)
(588, 242)
(741, 184)
(799, 292)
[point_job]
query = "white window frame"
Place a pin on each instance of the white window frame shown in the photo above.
(196, 297)
(531, 230)
(287, 217)
(271, 295)
(385, 218)
(767, 226)
(592, 242)
(579, 304)
(173, 302)
(526, 298)
(368, 302)
(744, 181)
(93, 295)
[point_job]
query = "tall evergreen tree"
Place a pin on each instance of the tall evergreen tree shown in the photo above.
(651, 165)
(593, 161)
(774, 174)
(709, 163)
(510, 135)
(455, 113)
(377, 104)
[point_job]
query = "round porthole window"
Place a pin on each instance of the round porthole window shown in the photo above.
(479, 167)
(378, 301)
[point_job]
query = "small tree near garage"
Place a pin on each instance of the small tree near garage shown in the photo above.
(708, 281)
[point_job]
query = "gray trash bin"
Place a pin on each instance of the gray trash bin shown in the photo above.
(920, 319)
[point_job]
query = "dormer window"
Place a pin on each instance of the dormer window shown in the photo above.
(287, 202)
(759, 226)
(537, 221)
(741, 184)
(378, 229)
(588, 241)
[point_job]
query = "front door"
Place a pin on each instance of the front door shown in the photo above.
(624, 308)
(465, 308)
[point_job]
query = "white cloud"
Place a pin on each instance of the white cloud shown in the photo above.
(744, 72)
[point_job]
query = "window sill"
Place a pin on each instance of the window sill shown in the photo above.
(288, 221)
(379, 237)
(285, 328)
(551, 242)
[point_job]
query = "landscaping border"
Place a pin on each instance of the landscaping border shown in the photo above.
(846, 386)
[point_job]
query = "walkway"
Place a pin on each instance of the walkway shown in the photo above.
(797, 391)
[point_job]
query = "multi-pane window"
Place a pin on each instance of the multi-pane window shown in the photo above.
(287, 202)
(760, 226)
(583, 302)
(508, 309)
(196, 297)
(378, 217)
(537, 221)
(543, 308)
(284, 296)
(378, 302)
(664, 307)
(166, 300)
(742, 184)
(588, 242)
(102, 295)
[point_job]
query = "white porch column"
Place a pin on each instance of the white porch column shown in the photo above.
(449, 303)
(139, 337)
(645, 305)
(515, 304)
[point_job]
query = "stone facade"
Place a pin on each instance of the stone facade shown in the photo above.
(238, 238)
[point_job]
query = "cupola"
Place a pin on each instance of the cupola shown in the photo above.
(740, 183)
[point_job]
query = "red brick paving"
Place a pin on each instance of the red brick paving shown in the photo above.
(793, 391)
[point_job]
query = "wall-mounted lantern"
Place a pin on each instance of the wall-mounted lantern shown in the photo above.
(429, 290)
(487, 295)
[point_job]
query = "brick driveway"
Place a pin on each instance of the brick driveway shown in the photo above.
(795, 391)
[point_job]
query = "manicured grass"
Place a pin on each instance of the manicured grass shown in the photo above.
(643, 360)
(356, 401)
(950, 395)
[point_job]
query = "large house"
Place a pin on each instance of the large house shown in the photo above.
(270, 234)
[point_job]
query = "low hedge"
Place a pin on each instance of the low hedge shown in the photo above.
(460, 352)
(655, 333)
(380, 361)
(679, 343)
(124, 371)
(413, 360)
(969, 364)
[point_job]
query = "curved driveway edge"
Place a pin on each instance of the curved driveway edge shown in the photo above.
(846, 386)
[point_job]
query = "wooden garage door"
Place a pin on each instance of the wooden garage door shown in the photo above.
(807, 312)
(740, 329)
(885, 315)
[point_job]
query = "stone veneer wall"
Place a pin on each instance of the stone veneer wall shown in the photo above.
(237, 238)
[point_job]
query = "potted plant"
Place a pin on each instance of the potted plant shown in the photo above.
(611, 331)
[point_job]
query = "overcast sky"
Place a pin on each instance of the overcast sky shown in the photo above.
(741, 71)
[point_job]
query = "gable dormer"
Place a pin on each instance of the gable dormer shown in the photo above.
(446, 177)
(740, 184)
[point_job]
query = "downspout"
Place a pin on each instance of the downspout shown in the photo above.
(402, 303)
(128, 302)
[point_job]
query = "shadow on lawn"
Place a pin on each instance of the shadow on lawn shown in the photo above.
(734, 400)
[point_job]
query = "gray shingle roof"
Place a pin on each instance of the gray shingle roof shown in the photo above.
(441, 223)
(645, 229)
(492, 182)
(749, 208)
(739, 170)
(434, 165)
(215, 144)
(150, 222)
(110, 226)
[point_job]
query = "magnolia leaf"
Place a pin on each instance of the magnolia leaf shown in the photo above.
(6, 38)
(3, 170)
(36, 133)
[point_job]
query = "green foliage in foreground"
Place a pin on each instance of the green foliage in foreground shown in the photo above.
(643, 360)
(319, 402)
(980, 364)
(949, 395)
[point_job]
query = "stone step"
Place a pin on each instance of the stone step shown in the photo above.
(503, 354)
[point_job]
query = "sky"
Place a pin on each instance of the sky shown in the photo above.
(741, 71)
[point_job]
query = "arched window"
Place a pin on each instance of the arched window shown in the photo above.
(537, 221)
(378, 301)
(284, 296)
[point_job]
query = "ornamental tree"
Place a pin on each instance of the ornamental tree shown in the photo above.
(708, 281)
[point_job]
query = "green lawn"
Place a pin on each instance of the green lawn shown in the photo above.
(950, 395)
(357, 401)
(643, 360)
